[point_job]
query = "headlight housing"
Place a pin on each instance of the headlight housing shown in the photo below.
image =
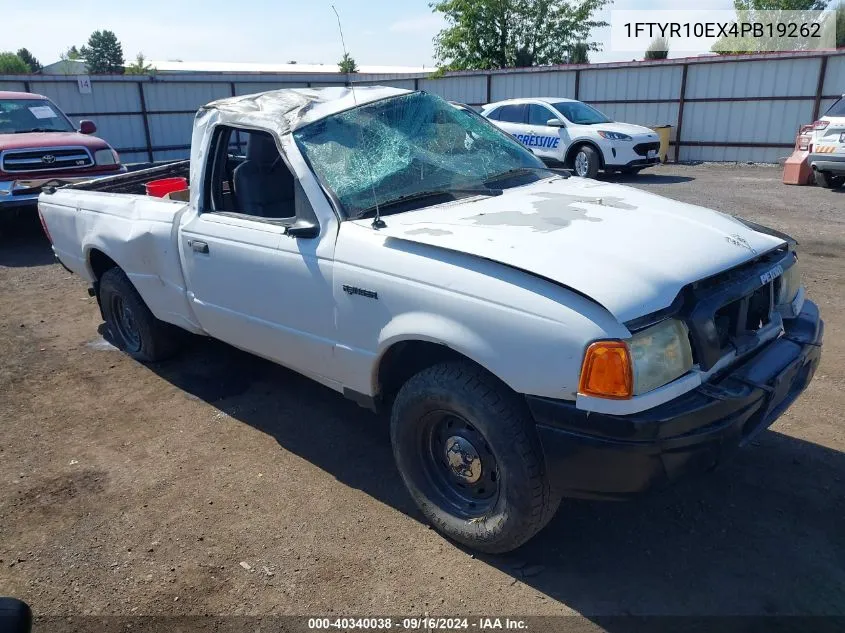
(614, 136)
(660, 354)
(652, 358)
(789, 285)
(106, 156)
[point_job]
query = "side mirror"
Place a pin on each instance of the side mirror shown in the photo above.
(555, 123)
(87, 127)
(302, 228)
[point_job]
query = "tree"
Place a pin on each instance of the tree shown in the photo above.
(103, 53)
(71, 53)
(140, 67)
(11, 64)
(579, 53)
(484, 34)
(658, 49)
(29, 59)
(347, 64)
(840, 25)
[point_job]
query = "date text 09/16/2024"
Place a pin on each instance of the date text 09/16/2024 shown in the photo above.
(417, 624)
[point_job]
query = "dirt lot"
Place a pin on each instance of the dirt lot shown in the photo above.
(129, 489)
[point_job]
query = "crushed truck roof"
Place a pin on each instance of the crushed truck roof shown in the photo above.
(292, 108)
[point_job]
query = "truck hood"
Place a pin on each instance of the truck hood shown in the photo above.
(629, 250)
(50, 139)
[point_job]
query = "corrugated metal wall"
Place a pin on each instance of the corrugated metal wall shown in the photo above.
(746, 108)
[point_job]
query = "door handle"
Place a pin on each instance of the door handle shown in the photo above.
(199, 247)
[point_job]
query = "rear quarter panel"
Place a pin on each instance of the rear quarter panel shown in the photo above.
(137, 232)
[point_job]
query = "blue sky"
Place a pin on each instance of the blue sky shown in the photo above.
(378, 32)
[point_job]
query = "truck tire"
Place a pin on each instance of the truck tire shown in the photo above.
(586, 162)
(132, 326)
(828, 180)
(468, 452)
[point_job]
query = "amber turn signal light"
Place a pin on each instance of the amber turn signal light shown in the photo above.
(607, 372)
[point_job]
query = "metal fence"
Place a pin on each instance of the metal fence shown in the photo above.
(745, 108)
(739, 108)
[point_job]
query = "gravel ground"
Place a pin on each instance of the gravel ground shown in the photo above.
(218, 483)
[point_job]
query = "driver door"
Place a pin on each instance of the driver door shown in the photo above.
(252, 283)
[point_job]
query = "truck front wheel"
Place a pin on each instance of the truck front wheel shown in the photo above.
(467, 450)
(132, 326)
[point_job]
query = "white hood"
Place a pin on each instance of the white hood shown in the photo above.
(629, 250)
(627, 128)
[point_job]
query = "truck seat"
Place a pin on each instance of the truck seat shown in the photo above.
(263, 184)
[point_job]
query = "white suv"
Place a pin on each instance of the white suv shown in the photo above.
(576, 134)
(827, 155)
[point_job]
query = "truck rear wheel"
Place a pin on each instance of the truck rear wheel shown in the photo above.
(828, 180)
(467, 450)
(132, 326)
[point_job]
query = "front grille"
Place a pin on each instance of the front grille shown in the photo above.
(726, 312)
(644, 148)
(743, 316)
(46, 159)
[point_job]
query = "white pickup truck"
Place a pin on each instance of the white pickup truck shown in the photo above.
(534, 336)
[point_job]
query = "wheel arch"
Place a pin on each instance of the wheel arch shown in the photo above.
(409, 351)
(573, 149)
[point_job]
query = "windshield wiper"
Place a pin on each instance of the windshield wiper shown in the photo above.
(480, 191)
(36, 129)
(523, 170)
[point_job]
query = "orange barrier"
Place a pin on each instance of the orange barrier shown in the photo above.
(796, 169)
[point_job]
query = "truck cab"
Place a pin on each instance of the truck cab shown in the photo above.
(40, 145)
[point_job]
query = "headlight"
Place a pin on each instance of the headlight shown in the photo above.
(614, 136)
(652, 358)
(790, 283)
(660, 354)
(106, 157)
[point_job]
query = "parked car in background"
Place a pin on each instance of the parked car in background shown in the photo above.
(532, 334)
(827, 152)
(40, 145)
(575, 134)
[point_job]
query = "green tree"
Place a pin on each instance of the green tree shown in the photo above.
(29, 59)
(579, 53)
(11, 64)
(103, 53)
(840, 25)
(139, 66)
(658, 49)
(484, 34)
(347, 64)
(72, 53)
(780, 5)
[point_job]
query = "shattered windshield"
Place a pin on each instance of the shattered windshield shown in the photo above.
(405, 147)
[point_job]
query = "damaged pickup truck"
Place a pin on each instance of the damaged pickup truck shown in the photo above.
(533, 336)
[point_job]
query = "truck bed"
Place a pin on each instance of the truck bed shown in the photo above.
(134, 181)
(115, 218)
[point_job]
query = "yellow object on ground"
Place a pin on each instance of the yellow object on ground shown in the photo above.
(663, 131)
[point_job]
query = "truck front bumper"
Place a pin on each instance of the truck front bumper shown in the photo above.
(592, 455)
(17, 194)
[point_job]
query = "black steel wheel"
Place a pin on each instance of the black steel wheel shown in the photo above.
(133, 328)
(468, 452)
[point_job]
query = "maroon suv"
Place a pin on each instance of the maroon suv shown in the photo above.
(39, 145)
